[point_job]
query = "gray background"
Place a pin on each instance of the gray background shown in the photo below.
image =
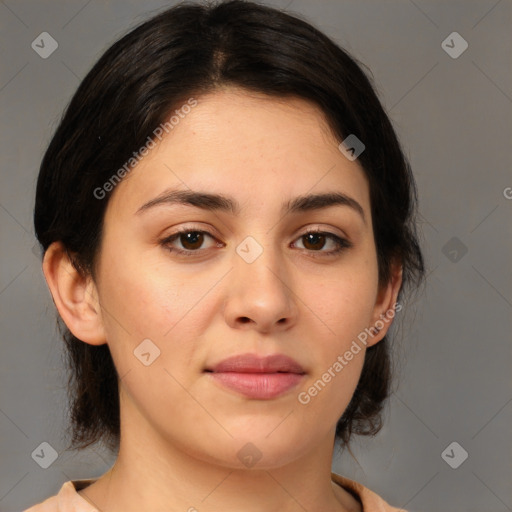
(454, 119)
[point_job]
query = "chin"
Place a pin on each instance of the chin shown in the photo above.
(262, 451)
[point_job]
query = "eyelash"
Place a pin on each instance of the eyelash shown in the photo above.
(341, 243)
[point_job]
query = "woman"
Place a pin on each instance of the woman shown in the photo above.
(227, 221)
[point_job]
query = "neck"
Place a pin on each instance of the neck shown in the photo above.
(151, 473)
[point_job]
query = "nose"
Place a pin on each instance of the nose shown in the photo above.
(260, 294)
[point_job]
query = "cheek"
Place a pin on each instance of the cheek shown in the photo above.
(150, 320)
(344, 308)
(153, 302)
(146, 297)
(338, 356)
(345, 302)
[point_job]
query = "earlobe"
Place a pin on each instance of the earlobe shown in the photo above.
(74, 295)
(385, 305)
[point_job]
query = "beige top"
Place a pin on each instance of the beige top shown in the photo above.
(68, 499)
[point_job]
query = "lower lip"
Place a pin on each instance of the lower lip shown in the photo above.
(260, 386)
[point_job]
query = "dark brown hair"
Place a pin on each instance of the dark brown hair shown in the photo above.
(187, 51)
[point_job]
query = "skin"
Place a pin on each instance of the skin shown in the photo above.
(181, 432)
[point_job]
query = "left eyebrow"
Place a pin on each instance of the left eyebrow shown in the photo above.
(219, 202)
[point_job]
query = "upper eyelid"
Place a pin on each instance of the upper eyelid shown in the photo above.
(174, 236)
(303, 229)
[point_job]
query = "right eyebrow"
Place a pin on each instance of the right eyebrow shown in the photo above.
(219, 202)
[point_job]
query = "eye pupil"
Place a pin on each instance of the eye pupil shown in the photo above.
(313, 238)
(191, 242)
(192, 237)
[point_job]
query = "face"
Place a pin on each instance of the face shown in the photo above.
(248, 278)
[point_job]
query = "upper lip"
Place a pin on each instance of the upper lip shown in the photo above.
(252, 363)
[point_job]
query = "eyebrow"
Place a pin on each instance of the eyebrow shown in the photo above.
(219, 202)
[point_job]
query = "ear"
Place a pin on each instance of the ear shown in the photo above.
(74, 295)
(385, 305)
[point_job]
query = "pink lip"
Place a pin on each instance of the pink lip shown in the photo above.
(258, 377)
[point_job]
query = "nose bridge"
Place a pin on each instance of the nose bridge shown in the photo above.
(262, 291)
(260, 264)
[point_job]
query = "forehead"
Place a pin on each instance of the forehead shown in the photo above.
(246, 145)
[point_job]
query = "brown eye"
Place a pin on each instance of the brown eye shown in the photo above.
(191, 241)
(315, 241)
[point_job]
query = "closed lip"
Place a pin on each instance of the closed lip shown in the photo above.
(252, 363)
